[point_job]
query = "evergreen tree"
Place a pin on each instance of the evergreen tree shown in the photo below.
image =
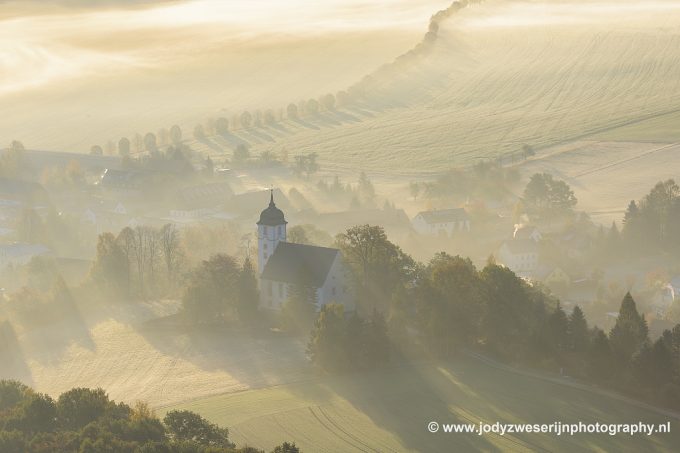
(600, 356)
(653, 365)
(578, 330)
(629, 333)
(559, 324)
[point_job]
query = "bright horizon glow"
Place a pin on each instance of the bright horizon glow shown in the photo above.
(82, 43)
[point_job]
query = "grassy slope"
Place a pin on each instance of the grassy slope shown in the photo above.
(389, 411)
(486, 90)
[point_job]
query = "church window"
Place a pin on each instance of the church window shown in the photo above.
(280, 289)
(279, 230)
(269, 288)
(265, 246)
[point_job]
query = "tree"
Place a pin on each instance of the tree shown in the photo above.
(171, 250)
(123, 147)
(176, 134)
(222, 125)
(286, 448)
(210, 293)
(297, 235)
(558, 325)
(189, 426)
(306, 165)
(150, 142)
(269, 117)
(96, 150)
(450, 303)
(248, 293)
(292, 112)
(80, 406)
(653, 366)
(508, 316)
(547, 197)
(376, 264)
(325, 347)
(629, 333)
(366, 189)
(578, 330)
(600, 356)
(241, 153)
(328, 102)
(199, 132)
(110, 269)
(246, 119)
(313, 106)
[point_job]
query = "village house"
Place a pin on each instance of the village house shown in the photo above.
(520, 256)
(282, 265)
(449, 221)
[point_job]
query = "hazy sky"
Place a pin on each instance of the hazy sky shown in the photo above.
(51, 42)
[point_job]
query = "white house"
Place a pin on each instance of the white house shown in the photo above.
(282, 265)
(520, 256)
(437, 222)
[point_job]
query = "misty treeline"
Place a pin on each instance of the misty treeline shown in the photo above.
(85, 420)
(486, 180)
(447, 306)
(358, 195)
(362, 91)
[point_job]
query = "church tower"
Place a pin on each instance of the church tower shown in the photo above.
(271, 229)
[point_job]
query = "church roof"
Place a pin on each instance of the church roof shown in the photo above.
(272, 216)
(299, 264)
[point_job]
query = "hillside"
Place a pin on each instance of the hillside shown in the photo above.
(389, 411)
(502, 74)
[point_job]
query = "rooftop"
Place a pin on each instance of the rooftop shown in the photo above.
(299, 264)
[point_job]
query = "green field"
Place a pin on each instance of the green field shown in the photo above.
(389, 411)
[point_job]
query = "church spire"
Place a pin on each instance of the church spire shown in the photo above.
(271, 199)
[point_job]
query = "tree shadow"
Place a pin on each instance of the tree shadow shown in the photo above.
(12, 358)
(230, 140)
(210, 144)
(255, 359)
(47, 342)
(401, 400)
(258, 135)
(306, 124)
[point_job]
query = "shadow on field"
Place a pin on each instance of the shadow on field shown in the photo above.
(48, 331)
(12, 357)
(253, 359)
(402, 401)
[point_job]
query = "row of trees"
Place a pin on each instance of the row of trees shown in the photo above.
(452, 305)
(219, 289)
(653, 223)
(84, 420)
(341, 343)
(140, 261)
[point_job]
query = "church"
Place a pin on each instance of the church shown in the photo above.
(282, 265)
